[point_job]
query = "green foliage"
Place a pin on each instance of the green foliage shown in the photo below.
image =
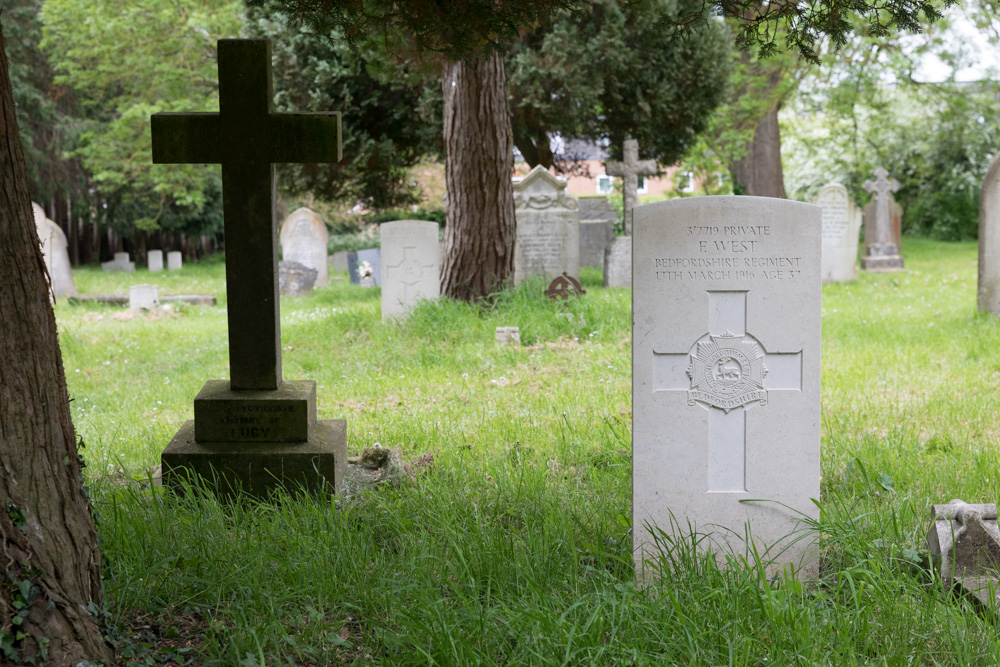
(391, 110)
(125, 61)
(614, 70)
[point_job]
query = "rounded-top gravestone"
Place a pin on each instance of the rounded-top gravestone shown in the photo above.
(304, 240)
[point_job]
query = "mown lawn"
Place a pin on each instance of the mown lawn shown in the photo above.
(510, 542)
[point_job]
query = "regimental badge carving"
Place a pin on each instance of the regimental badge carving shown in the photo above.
(727, 372)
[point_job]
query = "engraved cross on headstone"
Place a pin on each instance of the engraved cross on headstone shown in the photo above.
(629, 170)
(409, 271)
(248, 138)
(880, 187)
(727, 372)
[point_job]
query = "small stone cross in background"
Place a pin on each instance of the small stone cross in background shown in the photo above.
(883, 254)
(630, 169)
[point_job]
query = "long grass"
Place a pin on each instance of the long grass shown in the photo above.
(513, 547)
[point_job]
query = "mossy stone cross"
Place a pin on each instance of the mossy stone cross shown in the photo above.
(248, 138)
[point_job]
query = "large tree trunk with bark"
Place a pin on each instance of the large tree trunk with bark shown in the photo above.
(50, 584)
(479, 162)
(759, 173)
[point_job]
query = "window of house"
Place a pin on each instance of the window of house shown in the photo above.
(686, 181)
(604, 185)
(642, 189)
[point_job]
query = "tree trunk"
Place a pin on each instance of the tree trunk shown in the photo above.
(50, 556)
(759, 173)
(479, 163)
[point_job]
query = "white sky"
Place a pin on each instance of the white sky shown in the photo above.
(982, 55)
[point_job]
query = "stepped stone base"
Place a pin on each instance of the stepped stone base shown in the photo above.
(882, 263)
(257, 469)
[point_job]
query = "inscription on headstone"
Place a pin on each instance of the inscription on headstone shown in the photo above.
(548, 227)
(725, 389)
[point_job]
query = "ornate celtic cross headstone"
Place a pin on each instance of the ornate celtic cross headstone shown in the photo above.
(629, 170)
(248, 138)
(882, 255)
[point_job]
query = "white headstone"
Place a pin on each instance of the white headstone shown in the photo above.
(154, 258)
(55, 251)
(411, 265)
(119, 263)
(143, 297)
(726, 375)
(548, 227)
(618, 262)
(989, 240)
(841, 225)
(304, 240)
(174, 260)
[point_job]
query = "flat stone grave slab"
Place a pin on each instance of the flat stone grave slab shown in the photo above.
(726, 377)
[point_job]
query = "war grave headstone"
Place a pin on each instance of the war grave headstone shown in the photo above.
(595, 237)
(338, 260)
(618, 262)
(304, 239)
(154, 261)
(629, 170)
(881, 248)
(174, 260)
(55, 251)
(726, 376)
(841, 225)
(868, 214)
(364, 267)
(119, 263)
(411, 265)
(254, 432)
(989, 241)
(548, 227)
(295, 279)
(143, 297)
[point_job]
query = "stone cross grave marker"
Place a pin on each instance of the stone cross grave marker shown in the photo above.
(883, 254)
(841, 224)
(725, 388)
(253, 431)
(629, 170)
(304, 239)
(548, 227)
(411, 265)
(989, 240)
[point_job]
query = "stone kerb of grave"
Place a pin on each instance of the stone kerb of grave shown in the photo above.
(410, 265)
(255, 432)
(726, 376)
(548, 227)
(881, 245)
(304, 240)
(55, 252)
(841, 225)
(988, 297)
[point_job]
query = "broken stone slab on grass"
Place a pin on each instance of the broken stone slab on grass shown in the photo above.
(964, 544)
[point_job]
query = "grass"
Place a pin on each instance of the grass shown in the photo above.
(514, 546)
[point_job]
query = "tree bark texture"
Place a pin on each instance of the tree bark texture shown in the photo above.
(760, 171)
(479, 163)
(49, 558)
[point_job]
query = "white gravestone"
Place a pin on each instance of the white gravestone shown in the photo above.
(143, 297)
(304, 240)
(548, 227)
(618, 262)
(726, 375)
(154, 259)
(119, 263)
(411, 265)
(174, 260)
(989, 241)
(841, 225)
(55, 251)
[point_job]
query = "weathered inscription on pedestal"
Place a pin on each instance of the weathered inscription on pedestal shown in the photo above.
(284, 415)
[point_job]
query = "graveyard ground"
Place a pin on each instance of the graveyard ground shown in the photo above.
(508, 541)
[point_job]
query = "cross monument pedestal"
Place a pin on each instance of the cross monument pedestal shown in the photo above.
(883, 254)
(253, 433)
